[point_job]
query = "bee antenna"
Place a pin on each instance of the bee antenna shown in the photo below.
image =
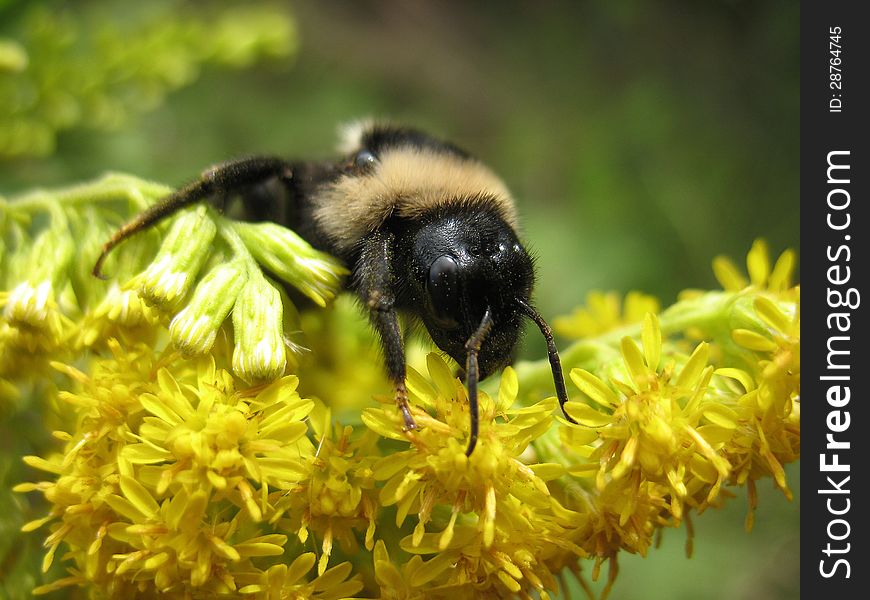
(472, 373)
(552, 354)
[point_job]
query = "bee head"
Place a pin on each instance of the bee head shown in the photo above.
(462, 263)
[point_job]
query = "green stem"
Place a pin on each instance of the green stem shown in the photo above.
(111, 187)
(227, 231)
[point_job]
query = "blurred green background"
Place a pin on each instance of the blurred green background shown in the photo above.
(640, 138)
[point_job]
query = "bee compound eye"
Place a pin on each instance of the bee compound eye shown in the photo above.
(442, 286)
(364, 159)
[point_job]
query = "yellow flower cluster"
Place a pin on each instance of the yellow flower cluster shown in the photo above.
(167, 476)
(32, 322)
(605, 312)
(495, 524)
(52, 308)
(193, 465)
(661, 430)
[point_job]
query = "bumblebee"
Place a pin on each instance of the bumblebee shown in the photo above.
(426, 229)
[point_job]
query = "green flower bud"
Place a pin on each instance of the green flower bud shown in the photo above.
(314, 273)
(124, 307)
(260, 352)
(193, 330)
(184, 249)
(30, 304)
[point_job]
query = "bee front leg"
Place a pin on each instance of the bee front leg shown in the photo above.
(374, 281)
(220, 180)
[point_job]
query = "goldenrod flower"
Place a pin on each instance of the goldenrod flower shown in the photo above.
(32, 312)
(779, 367)
(494, 518)
(336, 498)
(163, 483)
(29, 304)
(33, 320)
(31, 329)
(119, 311)
(436, 470)
(281, 581)
(470, 565)
(648, 426)
(771, 405)
(605, 312)
(761, 276)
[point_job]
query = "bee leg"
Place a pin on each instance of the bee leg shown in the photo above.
(373, 279)
(219, 180)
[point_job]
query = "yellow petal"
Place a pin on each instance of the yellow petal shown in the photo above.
(333, 577)
(258, 549)
(145, 453)
(586, 415)
(626, 459)
(431, 569)
(752, 340)
(651, 336)
(771, 314)
(728, 275)
(489, 517)
(635, 362)
(173, 396)
(576, 436)
(507, 389)
(386, 467)
(388, 576)
(224, 549)
(691, 372)
(36, 523)
(48, 588)
(548, 471)
(716, 435)
(43, 465)
(300, 567)
(702, 469)
(509, 582)
(124, 507)
(447, 534)
(419, 532)
(382, 424)
(156, 407)
(758, 263)
(739, 375)
(721, 415)
(441, 375)
(419, 387)
(780, 279)
(597, 390)
(286, 432)
(140, 497)
(676, 481)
